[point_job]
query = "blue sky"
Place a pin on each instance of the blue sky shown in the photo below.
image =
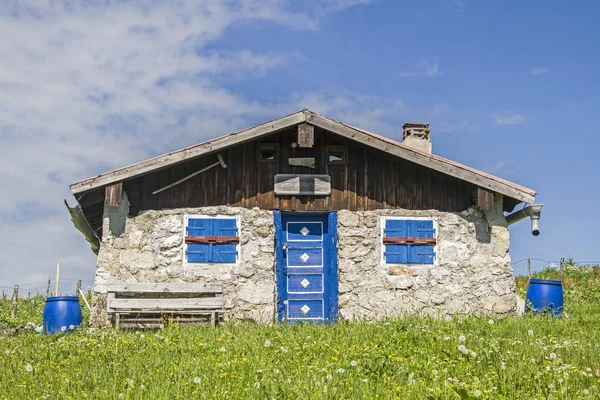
(85, 86)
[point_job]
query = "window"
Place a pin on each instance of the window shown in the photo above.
(409, 240)
(267, 153)
(211, 239)
(337, 154)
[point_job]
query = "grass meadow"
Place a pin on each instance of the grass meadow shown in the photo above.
(530, 357)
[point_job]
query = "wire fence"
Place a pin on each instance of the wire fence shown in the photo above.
(31, 289)
(523, 266)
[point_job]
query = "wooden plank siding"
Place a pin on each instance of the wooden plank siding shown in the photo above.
(369, 179)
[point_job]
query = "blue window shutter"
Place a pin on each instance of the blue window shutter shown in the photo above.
(421, 254)
(421, 229)
(225, 227)
(407, 253)
(225, 253)
(199, 227)
(396, 253)
(396, 228)
(198, 252)
(210, 252)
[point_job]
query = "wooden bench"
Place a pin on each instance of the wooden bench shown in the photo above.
(144, 305)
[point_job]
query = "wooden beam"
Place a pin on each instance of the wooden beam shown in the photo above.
(182, 155)
(113, 193)
(430, 161)
(306, 135)
(212, 239)
(485, 199)
(165, 287)
(166, 304)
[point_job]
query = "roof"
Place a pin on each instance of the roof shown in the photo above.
(387, 145)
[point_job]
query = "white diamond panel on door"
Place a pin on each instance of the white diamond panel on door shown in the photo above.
(305, 309)
(305, 283)
(304, 231)
(304, 256)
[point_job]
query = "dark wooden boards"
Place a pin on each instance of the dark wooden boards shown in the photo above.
(368, 179)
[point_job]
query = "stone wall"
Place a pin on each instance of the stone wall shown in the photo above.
(151, 250)
(472, 273)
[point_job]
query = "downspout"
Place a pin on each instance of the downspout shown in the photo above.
(532, 211)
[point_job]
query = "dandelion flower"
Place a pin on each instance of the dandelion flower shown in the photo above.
(530, 332)
(552, 356)
(448, 318)
(223, 349)
(121, 395)
(63, 328)
(267, 343)
(257, 385)
(329, 377)
(197, 380)
(28, 368)
(276, 371)
(142, 336)
(462, 338)
(585, 392)
(503, 366)
(491, 322)
(142, 387)
(473, 354)
(477, 393)
(353, 363)
(463, 349)
(340, 370)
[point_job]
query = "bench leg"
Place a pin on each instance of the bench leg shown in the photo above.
(117, 321)
(213, 319)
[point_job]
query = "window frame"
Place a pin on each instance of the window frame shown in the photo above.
(337, 148)
(267, 146)
(382, 222)
(238, 225)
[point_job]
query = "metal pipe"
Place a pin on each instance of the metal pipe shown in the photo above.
(532, 211)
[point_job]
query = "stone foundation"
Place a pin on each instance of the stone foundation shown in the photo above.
(472, 273)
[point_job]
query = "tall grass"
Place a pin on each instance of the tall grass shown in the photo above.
(513, 358)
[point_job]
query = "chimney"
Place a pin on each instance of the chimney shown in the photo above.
(416, 136)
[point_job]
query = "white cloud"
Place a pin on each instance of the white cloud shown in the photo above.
(427, 67)
(538, 71)
(89, 86)
(499, 165)
(509, 118)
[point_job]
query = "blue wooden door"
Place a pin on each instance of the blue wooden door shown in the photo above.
(306, 266)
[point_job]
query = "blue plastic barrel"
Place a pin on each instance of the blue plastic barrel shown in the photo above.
(545, 296)
(61, 313)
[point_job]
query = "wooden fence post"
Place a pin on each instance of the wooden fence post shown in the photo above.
(15, 296)
(48, 287)
(78, 288)
(562, 269)
(3, 295)
(57, 278)
(529, 268)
